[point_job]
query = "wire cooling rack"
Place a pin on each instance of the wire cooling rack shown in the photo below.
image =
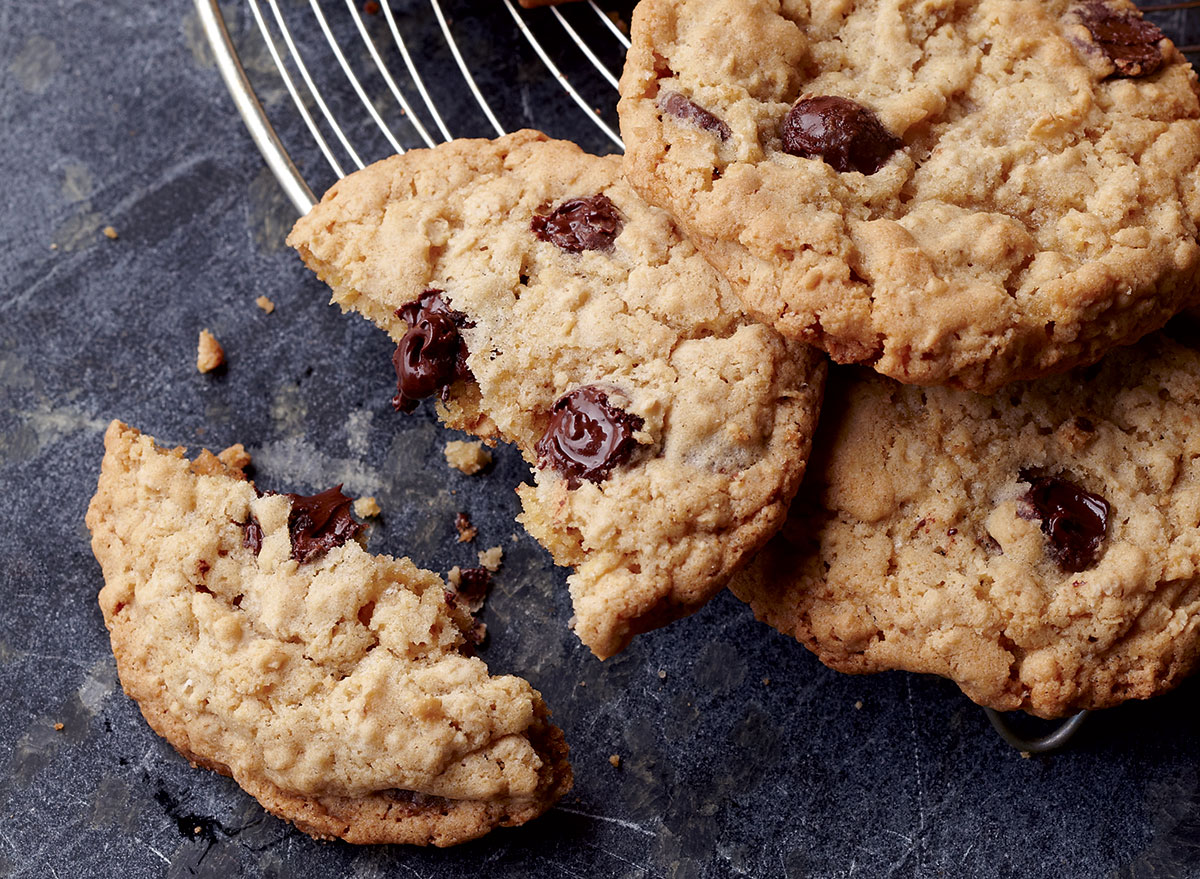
(352, 82)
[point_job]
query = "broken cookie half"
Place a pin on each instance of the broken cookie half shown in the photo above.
(528, 286)
(264, 643)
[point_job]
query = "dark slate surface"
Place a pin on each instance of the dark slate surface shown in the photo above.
(113, 113)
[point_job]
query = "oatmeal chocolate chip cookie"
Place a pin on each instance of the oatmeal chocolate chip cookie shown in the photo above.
(528, 286)
(1041, 547)
(262, 642)
(962, 192)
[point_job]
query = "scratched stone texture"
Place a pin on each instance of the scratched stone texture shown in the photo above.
(113, 113)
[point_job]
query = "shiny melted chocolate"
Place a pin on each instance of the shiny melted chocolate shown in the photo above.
(580, 224)
(846, 135)
(320, 522)
(689, 111)
(1074, 520)
(252, 536)
(587, 437)
(432, 355)
(1130, 42)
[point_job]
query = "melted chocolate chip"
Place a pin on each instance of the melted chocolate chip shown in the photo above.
(1074, 520)
(580, 224)
(587, 437)
(432, 354)
(1130, 42)
(320, 522)
(846, 135)
(252, 536)
(473, 585)
(689, 111)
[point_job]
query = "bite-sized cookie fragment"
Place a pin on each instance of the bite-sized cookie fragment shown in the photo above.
(209, 353)
(960, 192)
(1040, 547)
(666, 430)
(335, 689)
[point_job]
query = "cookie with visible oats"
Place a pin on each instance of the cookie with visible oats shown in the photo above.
(264, 643)
(961, 192)
(1040, 547)
(527, 284)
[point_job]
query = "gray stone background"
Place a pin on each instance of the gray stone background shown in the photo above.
(113, 113)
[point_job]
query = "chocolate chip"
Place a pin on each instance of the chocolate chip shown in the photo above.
(1074, 520)
(252, 536)
(1130, 42)
(689, 111)
(320, 522)
(846, 135)
(580, 224)
(473, 585)
(587, 437)
(432, 354)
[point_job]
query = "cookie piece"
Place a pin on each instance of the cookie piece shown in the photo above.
(1041, 547)
(334, 690)
(549, 306)
(962, 192)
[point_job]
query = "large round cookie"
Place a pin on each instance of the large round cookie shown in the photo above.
(1018, 184)
(331, 684)
(1041, 547)
(554, 309)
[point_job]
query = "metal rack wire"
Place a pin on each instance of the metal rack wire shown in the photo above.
(389, 78)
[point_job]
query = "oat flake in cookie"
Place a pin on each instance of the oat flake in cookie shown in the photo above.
(666, 431)
(334, 689)
(1040, 547)
(963, 193)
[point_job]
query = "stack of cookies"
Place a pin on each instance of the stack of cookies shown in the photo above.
(983, 211)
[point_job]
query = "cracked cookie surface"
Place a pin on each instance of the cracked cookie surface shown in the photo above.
(1040, 547)
(667, 431)
(1039, 203)
(335, 691)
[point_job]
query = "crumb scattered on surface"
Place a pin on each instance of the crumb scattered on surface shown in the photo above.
(58, 727)
(615, 760)
(366, 507)
(265, 304)
(466, 531)
(662, 674)
(235, 458)
(209, 353)
(491, 558)
(858, 705)
(454, 576)
(766, 682)
(110, 232)
(53, 246)
(467, 457)
(1025, 755)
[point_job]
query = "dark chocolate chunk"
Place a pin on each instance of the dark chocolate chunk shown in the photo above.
(587, 437)
(252, 535)
(846, 135)
(1074, 521)
(580, 224)
(1129, 41)
(473, 585)
(689, 111)
(432, 354)
(320, 522)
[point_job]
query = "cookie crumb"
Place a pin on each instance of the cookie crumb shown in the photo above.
(367, 507)
(265, 304)
(209, 353)
(1025, 755)
(53, 245)
(615, 760)
(454, 576)
(58, 727)
(491, 558)
(766, 682)
(858, 705)
(110, 233)
(466, 531)
(467, 457)
(662, 674)
(235, 458)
